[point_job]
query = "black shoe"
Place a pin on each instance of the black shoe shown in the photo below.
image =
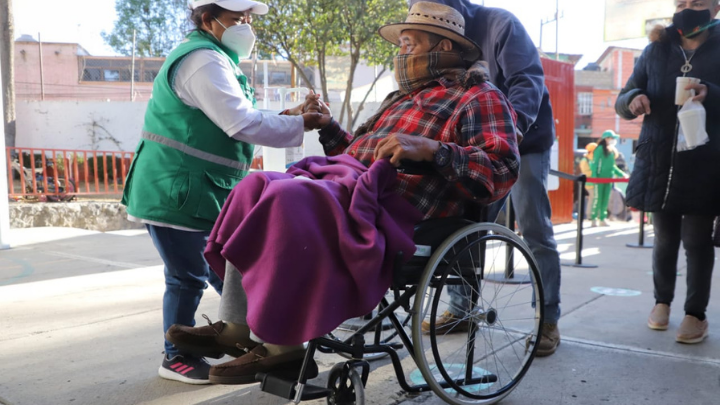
(186, 369)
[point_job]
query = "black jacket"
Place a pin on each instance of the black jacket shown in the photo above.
(515, 69)
(664, 179)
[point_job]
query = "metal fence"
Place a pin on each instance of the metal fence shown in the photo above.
(63, 174)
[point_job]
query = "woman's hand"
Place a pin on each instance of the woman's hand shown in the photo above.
(397, 147)
(318, 115)
(701, 91)
(311, 101)
(640, 105)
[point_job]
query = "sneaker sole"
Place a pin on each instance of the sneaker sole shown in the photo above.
(171, 375)
(692, 341)
(655, 326)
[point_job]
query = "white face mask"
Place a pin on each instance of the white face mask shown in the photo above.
(239, 38)
(612, 142)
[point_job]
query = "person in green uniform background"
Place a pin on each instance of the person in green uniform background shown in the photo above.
(197, 143)
(603, 167)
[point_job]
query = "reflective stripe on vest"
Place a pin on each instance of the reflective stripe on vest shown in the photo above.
(197, 153)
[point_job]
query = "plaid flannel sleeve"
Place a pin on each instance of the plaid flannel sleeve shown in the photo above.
(334, 139)
(486, 160)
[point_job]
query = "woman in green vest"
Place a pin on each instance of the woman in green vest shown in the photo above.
(197, 143)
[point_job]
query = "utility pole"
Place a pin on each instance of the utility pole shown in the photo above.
(4, 205)
(7, 52)
(42, 74)
(556, 20)
(557, 29)
(132, 71)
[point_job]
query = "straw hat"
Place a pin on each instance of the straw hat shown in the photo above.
(437, 19)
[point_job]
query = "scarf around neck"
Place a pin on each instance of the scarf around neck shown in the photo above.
(413, 71)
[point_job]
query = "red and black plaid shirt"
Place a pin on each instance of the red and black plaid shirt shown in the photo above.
(478, 124)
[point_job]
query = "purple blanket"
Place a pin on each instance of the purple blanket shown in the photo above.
(313, 253)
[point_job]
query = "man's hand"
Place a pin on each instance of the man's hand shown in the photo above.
(701, 91)
(319, 115)
(311, 101)
(398, 147)
(641, 105)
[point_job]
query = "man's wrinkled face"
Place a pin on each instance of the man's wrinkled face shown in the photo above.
(414, 42)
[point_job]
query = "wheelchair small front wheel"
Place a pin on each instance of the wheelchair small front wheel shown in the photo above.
(346, 386)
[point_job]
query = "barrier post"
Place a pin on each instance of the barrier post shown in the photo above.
(582, 180)
(641, 237)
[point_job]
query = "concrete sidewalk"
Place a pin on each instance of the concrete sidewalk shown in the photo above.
(81, 324)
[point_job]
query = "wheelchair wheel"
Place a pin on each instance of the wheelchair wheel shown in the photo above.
(386, 333)
(480, 355)
(346, 385)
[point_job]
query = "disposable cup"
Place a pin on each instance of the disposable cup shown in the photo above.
(681, 95)
(693, 126)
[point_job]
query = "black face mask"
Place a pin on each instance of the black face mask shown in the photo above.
(691, 22)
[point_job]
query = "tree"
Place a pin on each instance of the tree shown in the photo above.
(282, 32)
(160, 25)
(7, 50)
(360, 21)
(307, 32)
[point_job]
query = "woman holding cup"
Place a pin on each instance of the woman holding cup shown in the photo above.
(680, 188)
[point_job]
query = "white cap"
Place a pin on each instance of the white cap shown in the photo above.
(255, 7)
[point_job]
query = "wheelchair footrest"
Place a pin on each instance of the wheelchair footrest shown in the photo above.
(286, 389)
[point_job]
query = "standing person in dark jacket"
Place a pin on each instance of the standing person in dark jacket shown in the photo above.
(516, 70)
(679, 188)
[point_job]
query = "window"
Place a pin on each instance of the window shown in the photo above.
(585, 103)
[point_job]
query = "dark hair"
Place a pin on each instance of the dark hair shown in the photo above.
(604, 144)
(195, 15)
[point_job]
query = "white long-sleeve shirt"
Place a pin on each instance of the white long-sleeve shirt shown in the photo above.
(206, 80)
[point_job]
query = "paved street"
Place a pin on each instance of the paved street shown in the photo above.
(81, 324)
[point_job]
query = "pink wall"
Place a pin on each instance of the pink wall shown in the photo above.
(61, 76)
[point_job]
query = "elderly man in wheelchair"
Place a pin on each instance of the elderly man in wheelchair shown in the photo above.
(394, 207)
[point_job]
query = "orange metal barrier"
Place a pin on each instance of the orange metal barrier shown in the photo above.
(62, 174)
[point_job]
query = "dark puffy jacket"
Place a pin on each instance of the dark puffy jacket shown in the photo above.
(515, 69)
(664, 179)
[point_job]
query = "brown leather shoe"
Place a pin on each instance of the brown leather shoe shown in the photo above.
(447, 323)
(243, 369)
(659, 318)
(205, 341)
(549, 340)
(692, 330)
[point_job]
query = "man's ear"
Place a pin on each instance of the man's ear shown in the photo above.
(446, 45)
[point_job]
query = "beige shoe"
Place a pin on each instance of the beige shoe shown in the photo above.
(692, 330)
(659, 317)
(594, 223)
(604, 223)
(549, 340)
(447, 323)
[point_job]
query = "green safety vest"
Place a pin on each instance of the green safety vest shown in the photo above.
(184, 166)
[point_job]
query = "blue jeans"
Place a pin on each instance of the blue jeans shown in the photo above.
(187, 275)
(532, 207)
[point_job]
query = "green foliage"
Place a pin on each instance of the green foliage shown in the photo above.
(306, 32)
(159, 24)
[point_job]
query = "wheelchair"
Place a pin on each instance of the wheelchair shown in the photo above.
(497, 278)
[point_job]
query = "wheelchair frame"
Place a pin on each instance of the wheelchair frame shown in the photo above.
(357, 348)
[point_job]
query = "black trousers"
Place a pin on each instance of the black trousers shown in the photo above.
(696, 235)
